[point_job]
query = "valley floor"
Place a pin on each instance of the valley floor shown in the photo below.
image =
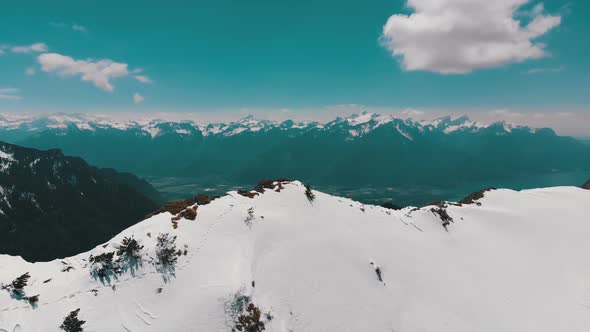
(174, 188)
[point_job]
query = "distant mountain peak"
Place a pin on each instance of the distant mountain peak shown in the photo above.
(363, 117)
(356, 125)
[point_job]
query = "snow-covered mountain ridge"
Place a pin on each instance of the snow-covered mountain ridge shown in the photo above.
(356, 125)
(308, 261)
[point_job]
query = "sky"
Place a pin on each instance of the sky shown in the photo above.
(517, 60)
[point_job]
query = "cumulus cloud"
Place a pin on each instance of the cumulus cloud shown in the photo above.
(137, 98)
(459, 36)
(143, 79)
(30, 71)
(33, 48)
(537, 10)
(9, 94)
(100, 72)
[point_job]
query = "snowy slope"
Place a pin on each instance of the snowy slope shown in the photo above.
(516, 262)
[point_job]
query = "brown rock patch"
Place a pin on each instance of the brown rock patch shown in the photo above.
(176, 207)
(474, 197)
(248, 194)
(271, 184)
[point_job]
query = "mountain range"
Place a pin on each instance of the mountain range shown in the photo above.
(361, 150)
(285, 257)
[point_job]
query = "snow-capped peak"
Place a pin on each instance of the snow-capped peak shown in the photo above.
(363, 117)
(356, 125)
(448, 124)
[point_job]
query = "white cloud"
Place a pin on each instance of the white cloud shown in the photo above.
(100, 72)
(546, 70)
(137, 98)
(79, 28)
(30, 71)
(9, 94)
(143, 79)
(459, 36)
(537, 10)
(36, 47)
(73, 26)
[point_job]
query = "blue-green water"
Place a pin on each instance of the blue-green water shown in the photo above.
(178, 188)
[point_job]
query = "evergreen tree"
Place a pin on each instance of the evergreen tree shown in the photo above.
(309, 194)
(72, 323)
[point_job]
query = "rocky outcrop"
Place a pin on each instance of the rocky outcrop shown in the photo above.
(473, 198)
(184, 209)
(391, 206)
(276, 185)
(271, 184)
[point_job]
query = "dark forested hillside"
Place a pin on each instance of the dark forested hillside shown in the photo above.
(52, 206)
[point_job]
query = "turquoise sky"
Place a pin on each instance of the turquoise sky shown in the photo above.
(231, 54)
